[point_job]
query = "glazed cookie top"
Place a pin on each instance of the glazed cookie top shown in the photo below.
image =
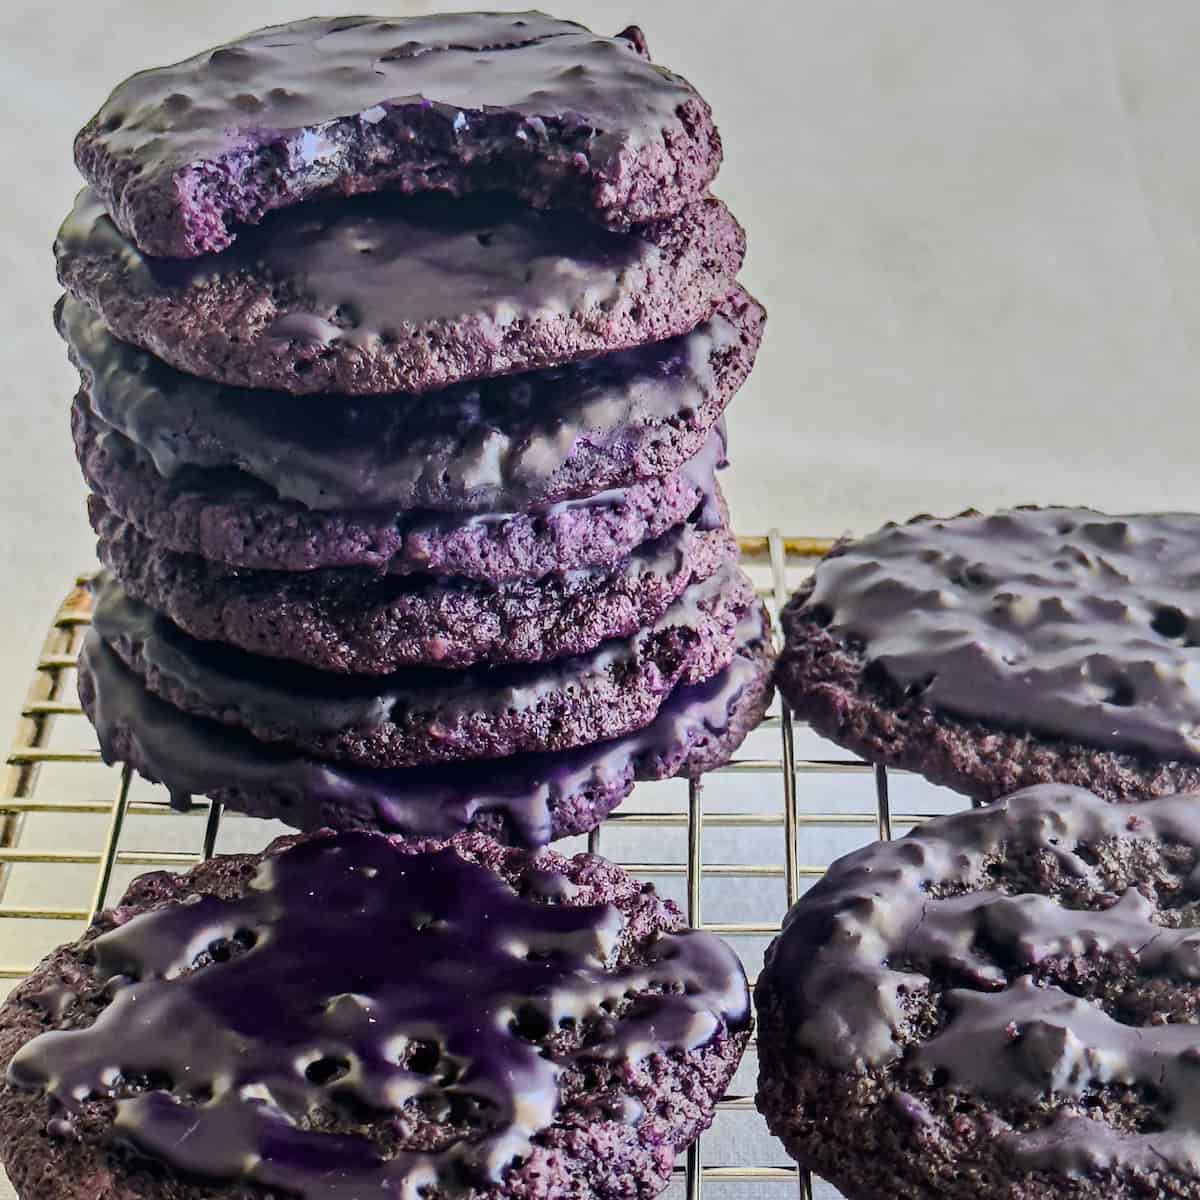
(378, 293)
(1064, 621)
(498, 445)
(440, 991)
(351, 104)
(1040, 953)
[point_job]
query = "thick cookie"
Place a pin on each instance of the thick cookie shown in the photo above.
(1001, 1004)
(453, 102)
(527, 800)
(500, 445)
(994, 652)
(419, 716)
(351, 1016)
(227, 517)
(353, 620)
(379, 294)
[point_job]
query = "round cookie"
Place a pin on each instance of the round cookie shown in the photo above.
(452, 102)
(995, 652)
(419, 715)
(378, 294)
(511, 443)
(526, 800)
(226, 517)
(352, 1016)
(1001, 1004)
(356, 621)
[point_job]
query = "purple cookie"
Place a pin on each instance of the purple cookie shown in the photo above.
(995, 652)
(511, 443)
(419, 716)
(453, 102)
(527, 800)
(355, 620)
(1002, 1004)
(226, 517)
(380, 294)
(352, 1016)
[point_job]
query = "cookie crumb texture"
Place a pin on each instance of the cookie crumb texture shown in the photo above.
(355, 622)
(991, 653)
(351, 1016)
(1001, 1004)
(453, 103)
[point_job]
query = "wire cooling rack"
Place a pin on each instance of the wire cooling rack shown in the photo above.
(734, 850)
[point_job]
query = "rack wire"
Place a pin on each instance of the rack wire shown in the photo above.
(747, 839)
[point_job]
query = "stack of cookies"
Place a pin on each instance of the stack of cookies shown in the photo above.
(405, 346)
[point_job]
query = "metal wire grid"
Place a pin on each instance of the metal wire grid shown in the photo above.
(777, 561)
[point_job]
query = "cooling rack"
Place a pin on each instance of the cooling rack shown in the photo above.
(734, 850)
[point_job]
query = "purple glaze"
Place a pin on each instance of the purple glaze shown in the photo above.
(1064, 621)
(442, 101)
(368, 265)
(275, 693)
(888, 920)
(497, 445)
(352, 970)
(311, 71)
(425, 530)
(229, 517)
(308, 72)
(191, 756)
(382, 280)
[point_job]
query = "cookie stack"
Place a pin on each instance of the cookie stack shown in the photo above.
(405, 346)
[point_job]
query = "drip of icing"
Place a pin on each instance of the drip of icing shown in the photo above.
(351, 971)
(699, 472)
(434, 543)
(192, 756)
(228, 519)
(1063, 621)
(495, 445)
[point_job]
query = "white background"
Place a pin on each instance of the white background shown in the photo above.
(974, 225)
